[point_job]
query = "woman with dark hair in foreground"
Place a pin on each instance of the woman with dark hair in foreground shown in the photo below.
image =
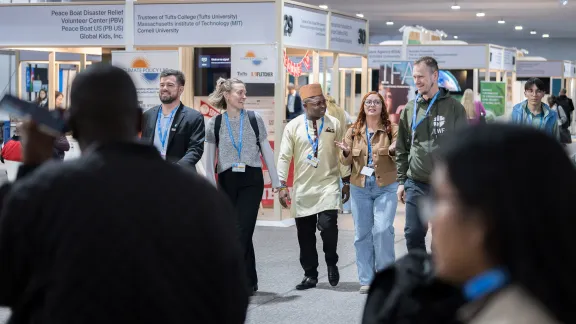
(503, 229)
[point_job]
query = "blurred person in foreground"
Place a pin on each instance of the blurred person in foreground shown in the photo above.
(511, 258)
(109, 237)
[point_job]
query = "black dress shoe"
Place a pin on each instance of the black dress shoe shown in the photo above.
(307, 283)
(255, 287)
(333, 275)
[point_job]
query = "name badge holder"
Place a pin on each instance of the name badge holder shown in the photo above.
(415, 114)
(163, 135)
(312, 159)
(368, 170)
(239, 166)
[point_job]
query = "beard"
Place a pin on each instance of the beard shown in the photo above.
(167, 98)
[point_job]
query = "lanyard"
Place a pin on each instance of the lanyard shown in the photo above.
(485, 283)
(541, 119)
(241, 132)
(415, 113)
(316, 141)
(163, 135)
(369, 139)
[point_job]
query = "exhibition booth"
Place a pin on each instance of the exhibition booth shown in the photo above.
(205, 40)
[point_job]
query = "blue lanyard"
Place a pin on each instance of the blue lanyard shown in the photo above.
(369, 139)
(485, 283)
(415, 113)
(163, 135)
(239, 146)
(316, 141)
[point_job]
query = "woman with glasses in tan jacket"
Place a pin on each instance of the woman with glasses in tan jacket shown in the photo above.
(369, 147)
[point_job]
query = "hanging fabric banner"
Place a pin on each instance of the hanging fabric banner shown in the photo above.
(295, 69)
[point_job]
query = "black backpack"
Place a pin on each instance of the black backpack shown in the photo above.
(253, 123)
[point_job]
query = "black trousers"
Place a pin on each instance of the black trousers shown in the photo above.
(327, 224)
(245, 191)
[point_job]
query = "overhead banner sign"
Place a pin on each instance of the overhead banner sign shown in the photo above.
(204, 23)
(539, 69)
(493, 97)
(304, 27)
(496, 58)
(145, 69)
(569, 70)
(451, 57)
(378, 55)
(80, 25)
(348, 34)
(509, 59)
(254, 63)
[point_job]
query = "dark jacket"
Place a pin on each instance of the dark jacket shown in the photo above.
(298, 108)
(567, 104)
(119, 236)
(414, 161)
(61, 146)
(186, 137)
(408, 293)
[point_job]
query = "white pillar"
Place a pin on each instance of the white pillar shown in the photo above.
(129, 25)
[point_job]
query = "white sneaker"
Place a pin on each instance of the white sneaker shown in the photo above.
(364, 289)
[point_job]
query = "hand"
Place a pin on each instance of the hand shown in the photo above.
(343, 146)
(345, 193)
(284, 197)
(37, 147)
(401, 194)
(392, 149)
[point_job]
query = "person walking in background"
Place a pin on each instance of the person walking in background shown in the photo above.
(369, 148)
(42, 99)
(566, 103)
(512, 260)
(61, 144)
(564, 127)
(534, 112)
(424, 123)
(310, 139)
(118, 235)
(474, 108)
(177, 131)
(294, 104)
(237, 144)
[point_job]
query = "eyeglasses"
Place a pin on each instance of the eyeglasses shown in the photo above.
(316, 103)
(531, 92)
(372, 102)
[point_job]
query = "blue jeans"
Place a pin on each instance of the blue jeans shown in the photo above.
(415, 231)
(373, 210)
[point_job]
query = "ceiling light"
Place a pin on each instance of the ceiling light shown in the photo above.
(518, 27)
(533, 32)
(545, 36)
(455, 7)
(455, 37)
(480, 14)
(360, 15)
(501, 21)
(564, 2)
(389, 23)
(323, 7)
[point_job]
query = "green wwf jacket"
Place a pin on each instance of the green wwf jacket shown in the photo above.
(413, 158)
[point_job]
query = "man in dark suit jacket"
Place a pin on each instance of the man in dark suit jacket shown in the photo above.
(109, 237)
(566, 104)
(175, 130)
(294, 104)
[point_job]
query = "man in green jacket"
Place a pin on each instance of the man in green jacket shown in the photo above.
(421, 129)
